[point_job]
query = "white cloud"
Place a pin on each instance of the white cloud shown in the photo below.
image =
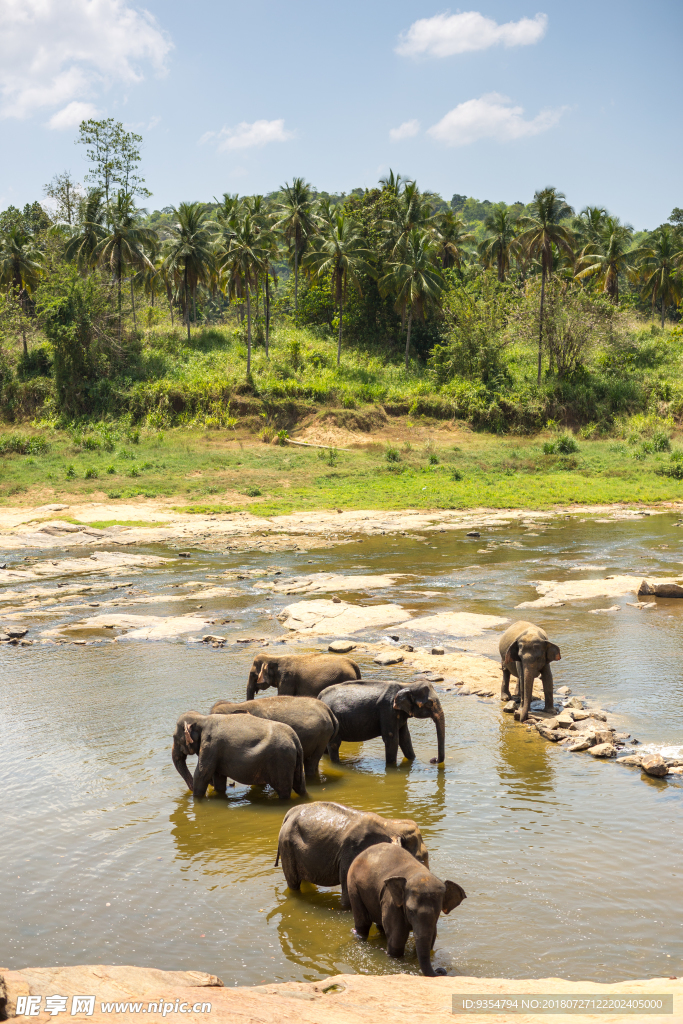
(60, 52)
(72, 115)
(447, 34)
(249, 136)
(490, 117)
(404, 131)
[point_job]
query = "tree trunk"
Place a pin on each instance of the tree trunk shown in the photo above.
(341, 317)
(248, 331)
(194, 307)
(266, 305)
(663, 311)
(132, 299)
(187, 308)
(118, 265)
(410, 321)
(501, 275)
(296, 277)
(540, 326)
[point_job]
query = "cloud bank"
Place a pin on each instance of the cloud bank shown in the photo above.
(59, 53)
(404, 131)
(249, 136)
(445, 35)
(490, 117)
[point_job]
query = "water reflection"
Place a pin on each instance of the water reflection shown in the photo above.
(523, 764)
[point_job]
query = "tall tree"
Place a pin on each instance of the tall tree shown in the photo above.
(90, 232)
(297, 222)
(496, 247)
(66, 192)
(660, 263)
(610, 255)
(413, 278)
(340, 251)
(189, 253)
(114, 155)
(21, 267)
(589, 226)
(541, 229)
(413, 210)
(124, 242)
(452, 238)
(245, 259)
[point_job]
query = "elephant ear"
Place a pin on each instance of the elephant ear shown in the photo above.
(455, 894)
(512, 653)
(396, 886)
(553, 652)
(403, 701)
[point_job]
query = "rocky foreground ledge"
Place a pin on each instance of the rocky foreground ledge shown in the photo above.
(342, 999)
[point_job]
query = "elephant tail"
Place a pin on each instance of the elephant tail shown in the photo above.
(355, 668)
(335, 723)
(299, 782)
(277, 858)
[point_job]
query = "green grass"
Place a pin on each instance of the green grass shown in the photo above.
(131, 523)
(209, 471)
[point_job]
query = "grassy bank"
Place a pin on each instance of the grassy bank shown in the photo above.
(406, 462)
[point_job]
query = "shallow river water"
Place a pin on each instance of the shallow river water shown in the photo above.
(572, 866)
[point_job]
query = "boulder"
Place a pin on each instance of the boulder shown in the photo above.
(660, 589)
(675, 771)
(564, 691)
(438, 650)
(510, 707)
(406, 647)
(388, 658)
(341, 646)
(548, 734)
(603, 736)
(473, 533)
(213, 638)
(603, 750)
(654, 764)
(575, 702)
(565, 720)
(583, 744)
(633, 760)
(321, 616)
(16, 632)
(597, 714)
(580, 715)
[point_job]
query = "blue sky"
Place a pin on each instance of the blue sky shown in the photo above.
(493, 101)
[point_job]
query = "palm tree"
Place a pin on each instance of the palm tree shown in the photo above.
(414, 279)
(589, 226)
(414, 210)
(86, 238)
(610, 254)
(245, 259)
(661, 261)
(394, 183)
(340, 251)
(541, 230)
(496, 248)
(297, 222)
(452, 236)
(21, 267)
(124, 243)
(189, 254)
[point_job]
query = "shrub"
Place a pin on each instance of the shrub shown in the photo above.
(70, 472)
(91, 474)
(111, 470)
(565, 444)
(252, 492)
(433, 460)
(17, 444)
(282, 436)
(392, 455)
(456, 474)
(91, 444)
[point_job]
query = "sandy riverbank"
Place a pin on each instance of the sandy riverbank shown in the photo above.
(342, 999)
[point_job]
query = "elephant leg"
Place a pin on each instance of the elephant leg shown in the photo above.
(333, 750)
(290, 869)
(391, 745)
(505, 688)
(547, 680)
(203, 774)
(361, 917)
(220, 783)
(405, 742)
(520, 682)
(527, 690)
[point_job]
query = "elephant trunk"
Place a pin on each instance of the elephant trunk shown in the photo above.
(423, 948)
(251, 685)
(180, 762)
(439, 720)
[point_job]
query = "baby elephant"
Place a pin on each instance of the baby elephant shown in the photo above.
(312, 721)
(252, 751)
(318, 842)
(299, 675)
(526, 653)
(388, 886)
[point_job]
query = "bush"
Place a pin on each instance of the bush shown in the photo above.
(70, 472)
(565, 444)
(111, 470)
(456, 474)
(252, 492)
(392, 455)
(91, 444)
(18, 444)
(433, 460)
(91, 474)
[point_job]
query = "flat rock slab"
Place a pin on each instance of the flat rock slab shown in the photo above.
(327, 582)
(107, 561)
(456, 623)
(388, 658)
(555, 593)
(341, 646)
(324, 617)
(660, 589)
(138, 627)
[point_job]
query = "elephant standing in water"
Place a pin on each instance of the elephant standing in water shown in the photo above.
(319, 841)
(249, 750)
(526, 653)
(389, 887)
(312, 721)
(299, 675)
(376, 708)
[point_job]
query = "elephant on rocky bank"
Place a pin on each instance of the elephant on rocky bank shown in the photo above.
(389, 887)
(299, 675)
(252, 751)
(373, 708)
(311, 720)
(319, 841)
(526, 653)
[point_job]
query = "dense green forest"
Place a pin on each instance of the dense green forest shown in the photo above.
(508, 317)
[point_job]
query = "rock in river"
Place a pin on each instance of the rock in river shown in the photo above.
(654, 764)
(602, 750)
(388, 658)
(341, 646)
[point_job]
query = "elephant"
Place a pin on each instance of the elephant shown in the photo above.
(313, 722)
(252, 751)
(375, 707)
(526, 653)
(319, 841)
(299, 675)
(388, 886)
